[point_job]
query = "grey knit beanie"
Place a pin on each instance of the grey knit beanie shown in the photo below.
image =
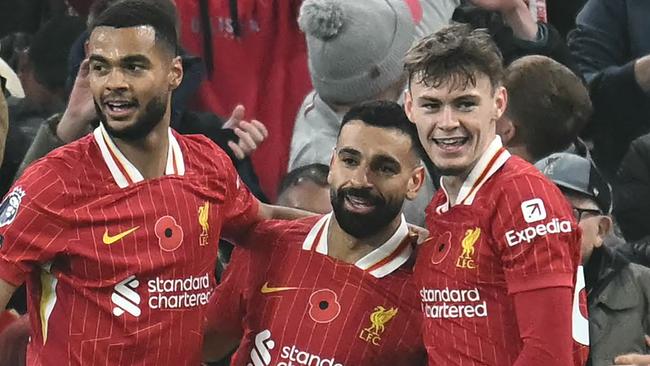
(356, 47)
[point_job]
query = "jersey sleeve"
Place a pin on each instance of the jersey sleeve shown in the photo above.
(537, 237)
(227, 306)
(241, 207)
(31, 230)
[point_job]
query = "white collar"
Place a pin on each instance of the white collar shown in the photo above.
(381, 262)
(492, 160)
(123, 171)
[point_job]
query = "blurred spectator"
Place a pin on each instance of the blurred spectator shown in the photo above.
(618, 291)
(632, 190)
(42, 74)
(306, 188)
(431, 15)
(548, 105)
(515, 31)
(255, 55)
(612, 46)
(562, 14)
(355, 55)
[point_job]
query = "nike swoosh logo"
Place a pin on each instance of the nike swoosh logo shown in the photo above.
(269, 290)
(108, 240)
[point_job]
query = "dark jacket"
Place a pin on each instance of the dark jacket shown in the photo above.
(550, 44)
(619, 299)
(632, 190)
(610, 36)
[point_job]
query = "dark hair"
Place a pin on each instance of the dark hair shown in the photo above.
(315, 173)
(133, 13)
(548, 104)
(455, 55)
(49, 49)
(385, 114)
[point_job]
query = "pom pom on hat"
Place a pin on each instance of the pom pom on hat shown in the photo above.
(322, 19)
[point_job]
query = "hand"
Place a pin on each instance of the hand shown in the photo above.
(251, 134)
(634, 359)
(80, 110)
(515, 13)
(421, 232)
(13, 339)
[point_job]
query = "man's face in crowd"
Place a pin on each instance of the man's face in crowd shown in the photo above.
(131, 78)
(455, 125)
(372, 171)
(594, 225)
(307, 195)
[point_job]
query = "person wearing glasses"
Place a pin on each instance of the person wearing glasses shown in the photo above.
(618, 292)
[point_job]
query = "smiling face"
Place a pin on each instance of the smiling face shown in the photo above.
(455, 125)
(372, 171)
(131, 78)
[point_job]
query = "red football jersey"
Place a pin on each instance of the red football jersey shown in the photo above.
(296, 306)
(510, 230)
(119, 269)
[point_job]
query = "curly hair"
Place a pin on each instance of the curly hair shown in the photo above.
(455, 55)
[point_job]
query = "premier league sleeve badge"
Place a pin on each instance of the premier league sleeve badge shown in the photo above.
(9, 206)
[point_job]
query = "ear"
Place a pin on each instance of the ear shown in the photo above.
(175, 73)
(604, 229)
(408, 104)
(506, 130)
(500, 101)
(329, 174)
(415, 182)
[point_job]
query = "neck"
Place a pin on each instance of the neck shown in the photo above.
(346, 248)
(148, 155)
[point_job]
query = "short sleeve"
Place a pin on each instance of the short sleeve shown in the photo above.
(226, 308)
(31, 230)
(241, 207)
(537, 237)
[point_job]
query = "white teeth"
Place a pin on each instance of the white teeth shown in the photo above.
(451, 141)
(358, 201)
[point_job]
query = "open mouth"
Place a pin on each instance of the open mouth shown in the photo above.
(360, 205)
(451, 143)
(119, 109)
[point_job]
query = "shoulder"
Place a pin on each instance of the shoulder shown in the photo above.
(280, 233)
(519, 178)
(203, 156)
(66, 158)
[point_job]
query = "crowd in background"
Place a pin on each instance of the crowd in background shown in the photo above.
(270, 80)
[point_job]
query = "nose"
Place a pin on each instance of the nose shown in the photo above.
(116, 80)
(359, 177)
(447, 119)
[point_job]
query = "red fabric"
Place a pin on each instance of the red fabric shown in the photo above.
(265, 70)
(116, 301)
(312, 304)
(467, 290)
(544, 318)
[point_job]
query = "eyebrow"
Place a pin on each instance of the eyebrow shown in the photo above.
(386, 159)
(125, 60)
(349, 150)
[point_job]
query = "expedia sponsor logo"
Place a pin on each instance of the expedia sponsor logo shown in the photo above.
(453, 303)
(527, 235)
(289, 355)
(179, 293)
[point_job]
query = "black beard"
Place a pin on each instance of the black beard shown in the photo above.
(362, 226)
(152, 115)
